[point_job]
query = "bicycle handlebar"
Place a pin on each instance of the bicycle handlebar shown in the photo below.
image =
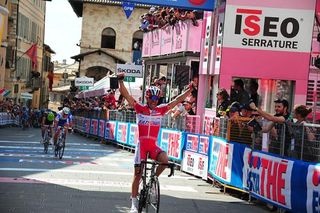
(169, 165)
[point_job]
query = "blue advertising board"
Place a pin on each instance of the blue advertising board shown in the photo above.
(189, 4)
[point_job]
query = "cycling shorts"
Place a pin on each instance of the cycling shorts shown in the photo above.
(143, 148)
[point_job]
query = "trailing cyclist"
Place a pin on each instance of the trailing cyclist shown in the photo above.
(149, 122)
(63, 119)
(47, 122)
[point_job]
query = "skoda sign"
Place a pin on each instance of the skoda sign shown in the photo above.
(84, 81)
(130, 70)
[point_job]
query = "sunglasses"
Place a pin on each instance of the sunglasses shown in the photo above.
(154, 98)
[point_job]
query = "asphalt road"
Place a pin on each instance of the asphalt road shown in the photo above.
(92, 177)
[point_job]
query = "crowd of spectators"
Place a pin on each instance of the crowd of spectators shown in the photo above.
(162, 17)
(31, 116)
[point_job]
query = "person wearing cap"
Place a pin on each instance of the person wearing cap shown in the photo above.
(188, 107)
(47, 122)
(277, 121)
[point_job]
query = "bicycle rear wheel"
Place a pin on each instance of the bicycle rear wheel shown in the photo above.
(46, 143)
(153, 196)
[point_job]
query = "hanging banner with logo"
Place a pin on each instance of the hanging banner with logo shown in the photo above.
(128, 8)
(87, 125)
(188, 4)
(130, 70)
(264, 28)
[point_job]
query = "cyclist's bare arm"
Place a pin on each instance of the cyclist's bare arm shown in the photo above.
(124, 92)
(181, 97)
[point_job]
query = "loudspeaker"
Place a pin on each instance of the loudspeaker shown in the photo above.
(114, 83)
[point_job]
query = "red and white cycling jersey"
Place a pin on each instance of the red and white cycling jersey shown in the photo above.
(149, 123)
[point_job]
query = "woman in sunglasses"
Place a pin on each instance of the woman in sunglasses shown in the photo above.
(149, 122)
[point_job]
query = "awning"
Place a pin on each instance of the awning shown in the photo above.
(61, 89)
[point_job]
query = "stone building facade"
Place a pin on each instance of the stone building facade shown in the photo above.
(26, 25)
(107, 35)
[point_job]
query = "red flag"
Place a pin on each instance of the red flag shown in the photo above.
(50, 77)
(32, 53)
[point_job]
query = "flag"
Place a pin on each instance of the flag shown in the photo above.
(2, 90)
(6, 93)
(32, 53)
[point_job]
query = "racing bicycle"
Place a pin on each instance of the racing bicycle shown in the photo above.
(47, 137)
(149, 196)
(60, 145)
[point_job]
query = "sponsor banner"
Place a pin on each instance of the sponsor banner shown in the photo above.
(87, 125)
(269, 178)
(155, 36)
(81, 124)
(171, 141)
(189, 4)
(166, 40)
(130, 70)
(313, 189)
(206, 42)
(122, 132)
(110, 130)
(94, 127)
(197, 143)
(195, 164)
(133, 135)
(128, 8)
(192, 142)
(101, 128)
(220, 164)
(84, 81)
(146, 44)
(264, 28)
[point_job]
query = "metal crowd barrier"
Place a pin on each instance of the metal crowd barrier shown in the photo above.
(298, 141)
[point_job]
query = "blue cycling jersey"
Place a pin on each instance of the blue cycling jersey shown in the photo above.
(61, 120)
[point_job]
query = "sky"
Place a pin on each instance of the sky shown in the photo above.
(63, 30)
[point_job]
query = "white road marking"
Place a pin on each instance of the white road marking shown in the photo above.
(78, 182)
(38, 142)
(87, 172)
(67, 148)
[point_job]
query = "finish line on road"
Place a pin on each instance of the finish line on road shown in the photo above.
(117, 184)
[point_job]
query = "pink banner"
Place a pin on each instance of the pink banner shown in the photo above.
(180, 32)
(146, 44)
(155, 42)
(166, 40)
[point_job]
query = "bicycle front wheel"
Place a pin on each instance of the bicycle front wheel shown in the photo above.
(153, 196)
(61, 150)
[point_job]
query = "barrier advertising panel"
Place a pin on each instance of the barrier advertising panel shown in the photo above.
(87, 125)
(101, 128)
(133, 134)
(195, 164)
(110, 130)
(171, 141)
(94, 127)
(313, 188)
(220, 164)
(122, 132)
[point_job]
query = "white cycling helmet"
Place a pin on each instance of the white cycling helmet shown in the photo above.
(66, 110)
(153, 91)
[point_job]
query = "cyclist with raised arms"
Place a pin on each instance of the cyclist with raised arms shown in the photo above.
(63, 119)
(47, 122)
(149, 122)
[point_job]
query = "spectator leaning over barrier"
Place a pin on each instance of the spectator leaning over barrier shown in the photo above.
(238, 93)
(277, 121)
(149, 122)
